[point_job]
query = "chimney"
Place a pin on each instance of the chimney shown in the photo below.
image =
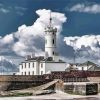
(33, 55)
(46, 55)
(28, 57)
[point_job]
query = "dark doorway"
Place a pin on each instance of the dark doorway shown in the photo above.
(92, 89)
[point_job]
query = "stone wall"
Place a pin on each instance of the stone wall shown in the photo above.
(81, 88)
(95, 79)
(10, 82)
(13, 82)
(8, 78)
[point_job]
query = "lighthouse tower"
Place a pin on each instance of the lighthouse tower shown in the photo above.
(50, 40)
(44, 65)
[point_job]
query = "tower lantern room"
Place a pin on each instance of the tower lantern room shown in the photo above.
(50, 40)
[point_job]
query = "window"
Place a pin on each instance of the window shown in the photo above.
(53, 53)
(22, 73)
(33, 65)
(53, 41)
(25, 65)
(41, 72)
(41, 65)
(25, 73)
(22, 66)
(29, 65)
(82, 68)
(33, 72)
(28, 73)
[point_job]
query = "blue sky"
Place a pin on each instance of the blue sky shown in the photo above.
(83, 18)
(77, 23)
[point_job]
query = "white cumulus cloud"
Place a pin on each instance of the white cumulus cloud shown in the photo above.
(7, 39)
(87, 45)
(91, 41)
(30, 39)
(93, 8)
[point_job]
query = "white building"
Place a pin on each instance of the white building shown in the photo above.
(86, 66)
(44, 64)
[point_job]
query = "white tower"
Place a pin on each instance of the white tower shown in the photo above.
(50, 40)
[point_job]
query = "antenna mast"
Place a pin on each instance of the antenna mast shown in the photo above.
(50, 19)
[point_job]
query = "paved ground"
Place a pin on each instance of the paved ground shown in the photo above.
(55, 96)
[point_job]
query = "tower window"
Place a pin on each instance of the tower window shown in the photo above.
(41, 65)
(41, 72)
(53, 41)
(53, 53)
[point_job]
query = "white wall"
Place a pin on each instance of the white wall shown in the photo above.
(42, 68)
(50, 47)
(33, 70)
(83, 67)
(48, 67)
(55, 67)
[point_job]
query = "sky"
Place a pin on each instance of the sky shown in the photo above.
(22, 25)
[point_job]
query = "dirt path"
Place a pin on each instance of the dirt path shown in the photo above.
(55, 96)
